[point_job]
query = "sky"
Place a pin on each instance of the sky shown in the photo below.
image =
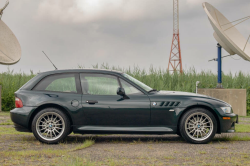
(122, 33)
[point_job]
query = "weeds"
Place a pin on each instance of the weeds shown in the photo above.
(85, 144)
(11, 82)
(232, 138)
(156, 78)
(242, 128)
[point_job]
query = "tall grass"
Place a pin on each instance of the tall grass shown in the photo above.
(11, 82)
(156, 78)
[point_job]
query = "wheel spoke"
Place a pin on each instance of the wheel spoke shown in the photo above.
(203, 120)
(44, 119)
(43, 128)
(45, 131)
(194, 133)
(200, 119)
(58, 121)
(47, 134)
(194, 119)
(56, 131)
(192, 130)
(191, 120)
(191, 125)
(58, 128)
(54, 120)
(204, 130)
(201, 134)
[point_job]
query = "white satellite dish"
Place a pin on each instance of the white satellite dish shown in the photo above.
(10, 49)
(226, 34)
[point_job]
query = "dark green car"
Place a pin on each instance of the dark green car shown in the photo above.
(88, 101)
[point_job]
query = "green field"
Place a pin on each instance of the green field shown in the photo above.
(156, 78)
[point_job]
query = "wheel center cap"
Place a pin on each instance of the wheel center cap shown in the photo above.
(198, 126)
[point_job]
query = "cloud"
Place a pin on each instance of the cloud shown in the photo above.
(80, 11)
(83, 11)
(194, 3)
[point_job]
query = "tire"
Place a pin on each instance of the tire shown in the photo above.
(50, 125)
(196, 130)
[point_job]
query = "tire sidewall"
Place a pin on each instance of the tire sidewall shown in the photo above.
(184, 118)
(53, 110)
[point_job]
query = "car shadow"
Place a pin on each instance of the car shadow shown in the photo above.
(124, 138)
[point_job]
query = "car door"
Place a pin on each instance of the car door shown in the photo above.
(103, 107)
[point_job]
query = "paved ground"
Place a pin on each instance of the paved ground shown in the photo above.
(23, 149)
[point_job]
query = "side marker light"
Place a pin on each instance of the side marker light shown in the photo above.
(226, 118)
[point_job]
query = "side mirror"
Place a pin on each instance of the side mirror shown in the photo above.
(121, 91)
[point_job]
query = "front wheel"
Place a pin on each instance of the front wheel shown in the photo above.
(50, 125)
(198, 126)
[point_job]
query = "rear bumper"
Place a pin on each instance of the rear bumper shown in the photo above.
(20, 117)
(21, 128)
(228, 125)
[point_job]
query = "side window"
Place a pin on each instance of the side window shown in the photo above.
(99, 84)
(58, 83)
(129, 89)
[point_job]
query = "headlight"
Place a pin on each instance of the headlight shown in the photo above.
(227, 110)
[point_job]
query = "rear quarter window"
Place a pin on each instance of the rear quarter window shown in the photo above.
(58, 83)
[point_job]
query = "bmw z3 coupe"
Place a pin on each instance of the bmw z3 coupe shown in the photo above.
(89, 101)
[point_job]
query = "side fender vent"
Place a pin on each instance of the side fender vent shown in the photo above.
(169, 104)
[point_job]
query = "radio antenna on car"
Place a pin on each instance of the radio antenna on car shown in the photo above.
(50, 60)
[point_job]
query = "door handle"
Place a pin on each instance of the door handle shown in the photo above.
(91, 101)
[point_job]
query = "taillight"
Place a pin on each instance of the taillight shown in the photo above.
(18, 103)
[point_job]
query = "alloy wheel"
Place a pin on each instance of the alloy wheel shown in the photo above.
(50, 126)
(199, 126)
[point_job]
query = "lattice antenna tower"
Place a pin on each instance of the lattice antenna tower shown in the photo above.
(175, 61)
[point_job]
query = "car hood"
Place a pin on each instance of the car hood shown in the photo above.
(180, 93)
(187, 94)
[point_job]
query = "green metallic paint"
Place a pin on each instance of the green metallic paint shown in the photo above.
(143, 114)
(115, 111)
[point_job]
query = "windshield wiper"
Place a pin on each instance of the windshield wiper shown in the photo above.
(152, 90)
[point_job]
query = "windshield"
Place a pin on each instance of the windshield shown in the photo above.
(139, 83)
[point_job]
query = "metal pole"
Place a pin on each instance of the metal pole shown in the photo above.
(0, 98)
(197, 84)
(219, 85)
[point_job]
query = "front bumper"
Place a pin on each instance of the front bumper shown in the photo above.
(21, 117)
(228, 125)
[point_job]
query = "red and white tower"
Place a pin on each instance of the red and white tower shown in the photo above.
(175, 61)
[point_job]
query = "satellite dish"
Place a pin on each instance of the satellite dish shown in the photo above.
(10, 49)
(226, 34)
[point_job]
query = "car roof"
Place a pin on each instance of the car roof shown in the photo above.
(81, 70)
(30, 84)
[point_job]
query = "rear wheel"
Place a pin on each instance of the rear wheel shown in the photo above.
(198, 126)
(50, 125)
